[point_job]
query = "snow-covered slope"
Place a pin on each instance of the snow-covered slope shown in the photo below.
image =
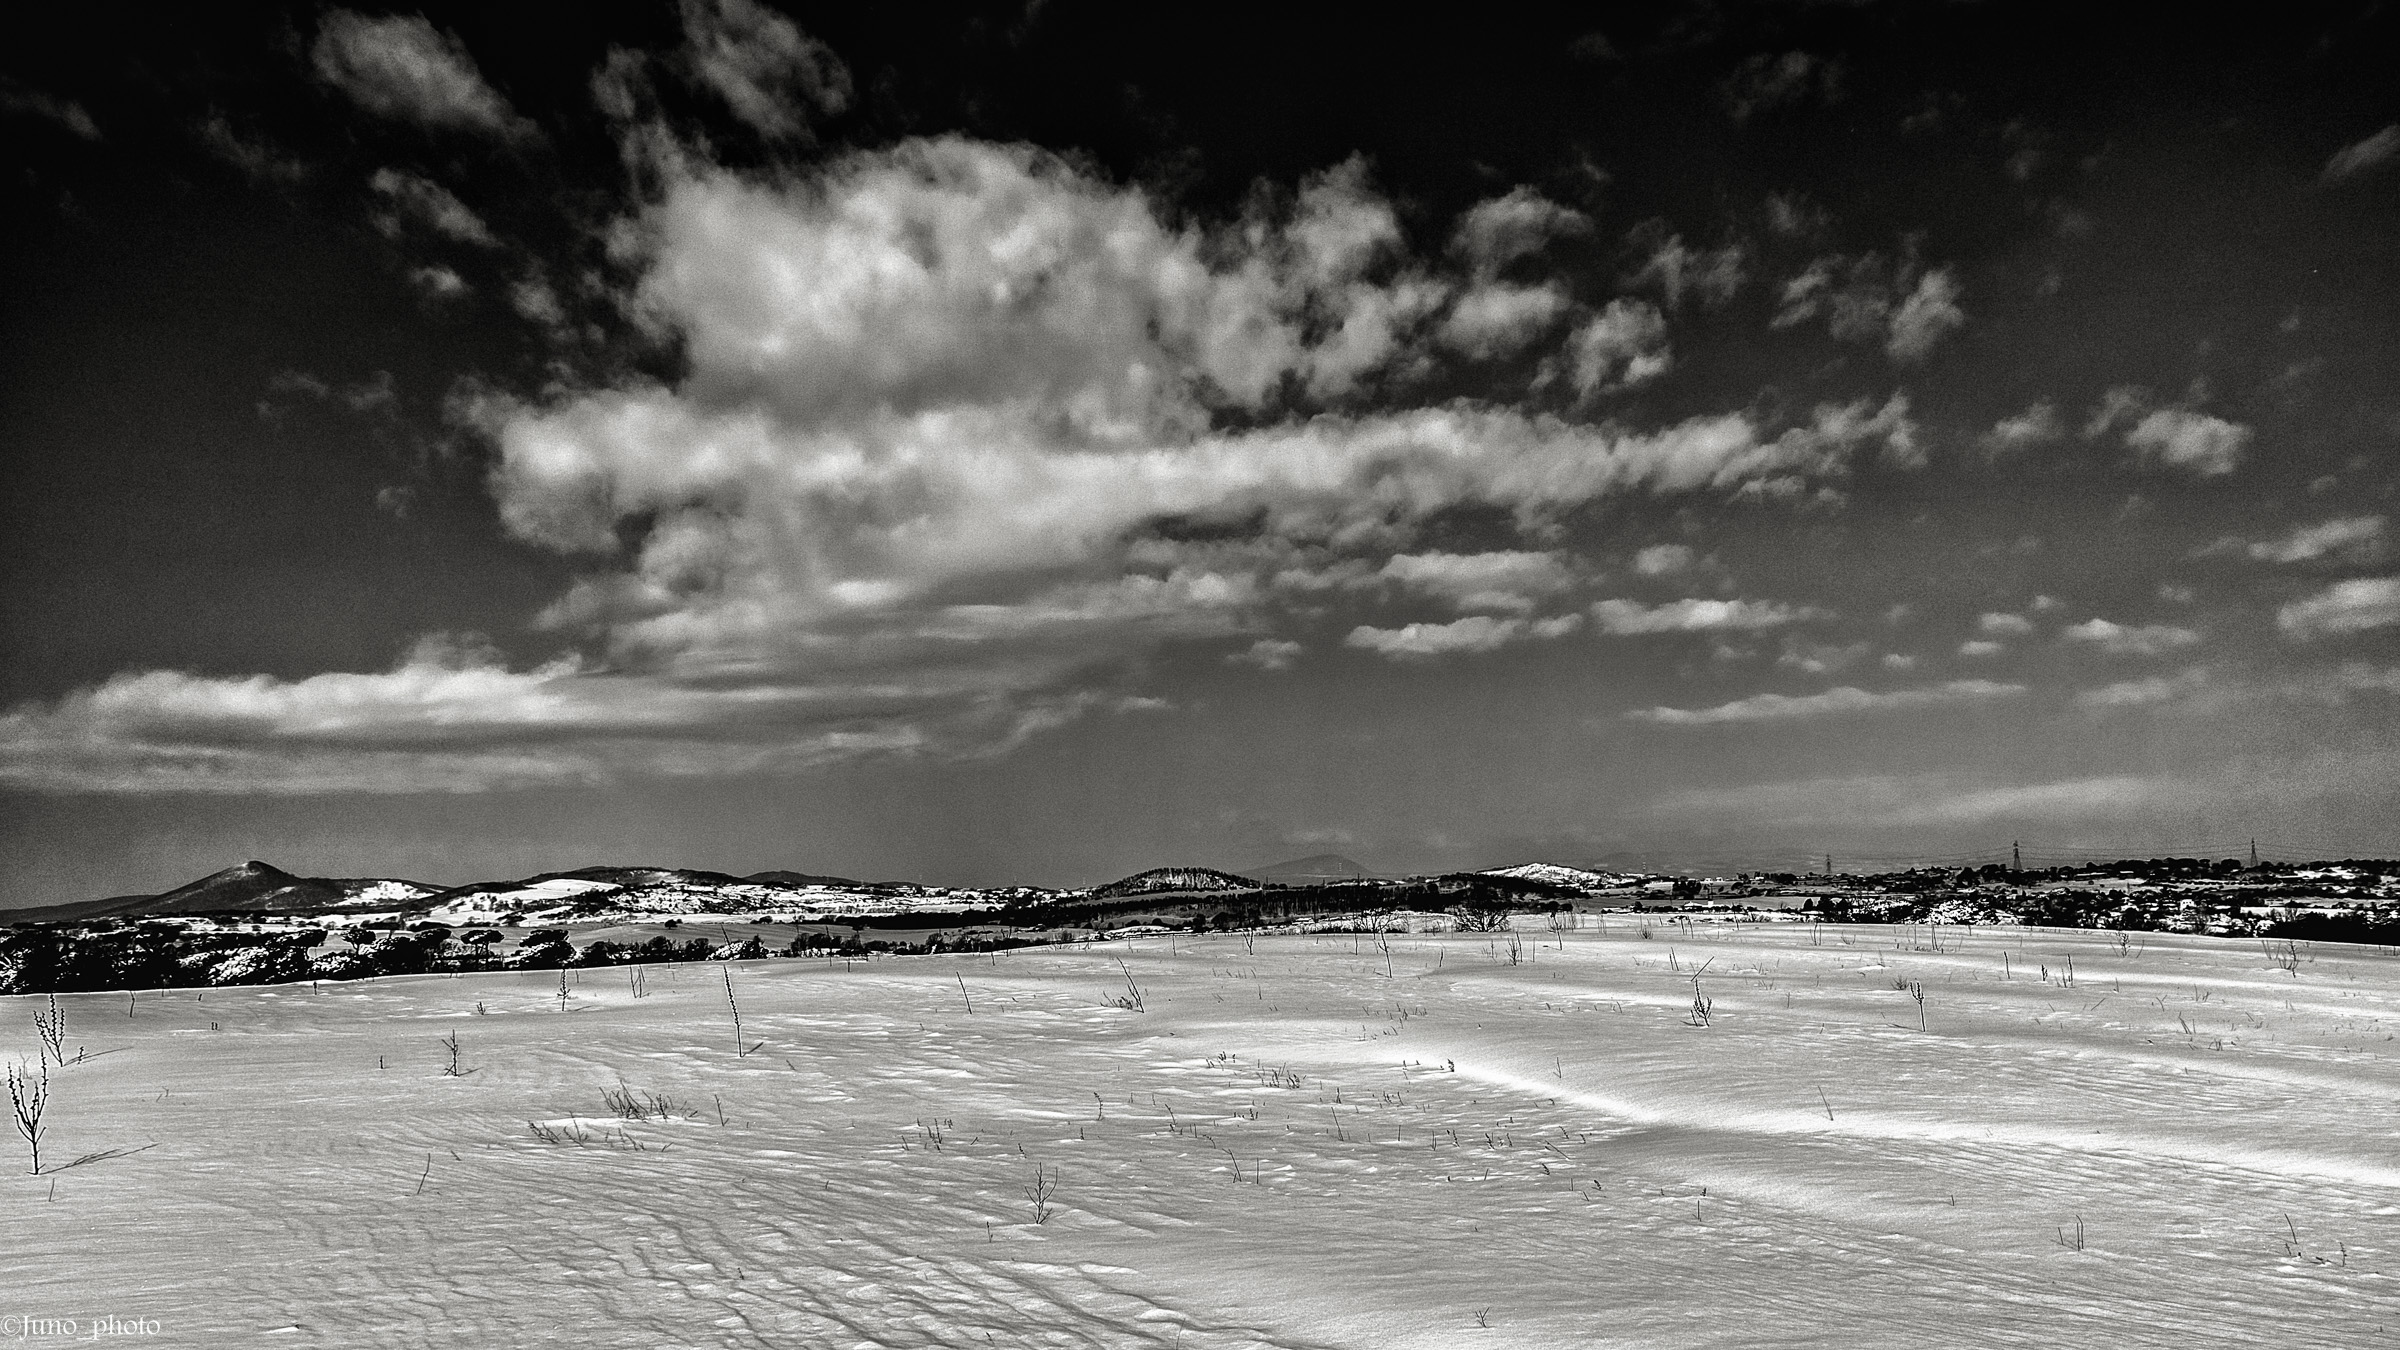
(1303, 1141)
(1556, 874)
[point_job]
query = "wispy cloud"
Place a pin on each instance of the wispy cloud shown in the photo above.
(2037, 425)
(1774, 80)
(2118, 639)
(2364, 156)
(1475, 633)
(2343, 608)
(1630, 617)
(2357, 539)
(1865, 298)
(19, 98)
(1919, 800)
(400, 67)
(770, 74)
(1501, 580)
(410, 197)
(1841, 701)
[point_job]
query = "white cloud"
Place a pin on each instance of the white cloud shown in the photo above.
(1475, 633)
(1981, 648)
(401, 68)
(2352, 538)
(2371, 153)
(1493, 319)
(961, 433)
(431, 205)
(1268, 654)
(1930, 312)
(2146, 692)
(1868, 297)
(451, 718)
(773, 76)
(2037, 425)
(1663, 560)
(2207, 445)
(1820, 658)
(2003, 625)
(1623, 345)
(1678, 270)
(1498, 231)
(438, 283)
(1845, 699)
(2118, 639)
(253, 155)
(1905, 800)
(1500, 580)
(1767, 81)
(1630, 617)
(2345, 607)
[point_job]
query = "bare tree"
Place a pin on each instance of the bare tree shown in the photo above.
(1043, 1186)
(51, 1028)
(27, 1096)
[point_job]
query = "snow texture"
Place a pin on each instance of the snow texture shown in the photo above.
(1301, 1140)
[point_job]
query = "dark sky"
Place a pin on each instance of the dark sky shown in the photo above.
(1026, 445)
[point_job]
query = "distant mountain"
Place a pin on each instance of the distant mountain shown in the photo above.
(1181, 880)
(798, 879)
(1314, 868)
(252, 887)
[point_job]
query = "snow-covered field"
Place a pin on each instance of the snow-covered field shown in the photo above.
(1297, 1141)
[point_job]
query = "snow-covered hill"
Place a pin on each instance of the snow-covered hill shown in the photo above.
(1556, 874)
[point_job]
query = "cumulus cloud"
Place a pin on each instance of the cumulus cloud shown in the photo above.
(1621, 346)
(2180, 437)
(961, 433)
(2343, 608)
(2208, 446)
(2364, 156)
(2037, 425)
(410, 197)
(1625, 618)
(1499, 231)
(1928, 313)
(774, 77)
(1474, 633)
(2118, 639)
(1501, 580)
(2357, 539)
(439, 284)
(400, 67)
(1843, 700)
(1866, 298)
(2003, 625)
(1492, 318)
(1663, 560)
